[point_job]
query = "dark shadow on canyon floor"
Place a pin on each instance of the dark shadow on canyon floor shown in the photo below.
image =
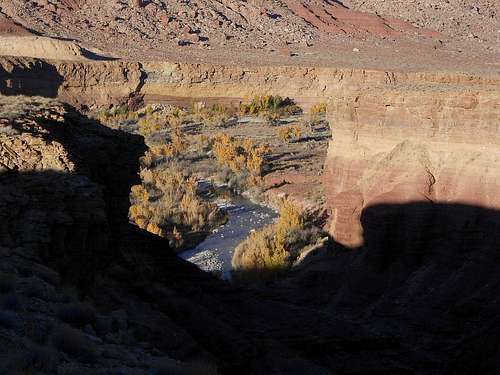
(33, 78)
(420, 297)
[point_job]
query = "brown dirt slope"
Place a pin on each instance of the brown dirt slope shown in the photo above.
(286, 32)
(477, 20)
(9, 27)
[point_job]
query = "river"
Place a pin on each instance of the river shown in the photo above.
(214, 254)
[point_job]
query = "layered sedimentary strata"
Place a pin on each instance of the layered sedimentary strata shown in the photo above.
(98, 83)
(397, 136)
(411, 143)
(82, 84)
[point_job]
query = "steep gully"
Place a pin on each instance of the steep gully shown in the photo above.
(411, 176)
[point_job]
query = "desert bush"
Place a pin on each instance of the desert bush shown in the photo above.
(77, 314)
(241, 156)
(148, 125)
(116, 115)
(316, 116)
(276, 246)
(213, 116)
(318, 108)
(269, 103)
(167, 204)
(289, 133)
(74, 343)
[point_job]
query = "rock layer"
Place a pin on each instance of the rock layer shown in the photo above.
(87, 84)
(404, 144)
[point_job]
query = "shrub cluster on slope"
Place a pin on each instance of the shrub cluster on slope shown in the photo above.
(266, 104)
(278, 245)
(241, 156)
(167, 204)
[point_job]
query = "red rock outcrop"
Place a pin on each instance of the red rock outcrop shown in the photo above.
(10, 28)
(333, 17)
(411, 143)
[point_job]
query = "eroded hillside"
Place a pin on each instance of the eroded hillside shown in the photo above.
(310, 33)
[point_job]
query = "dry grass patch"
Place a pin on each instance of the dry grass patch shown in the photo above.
(213, 116)
(275, 247)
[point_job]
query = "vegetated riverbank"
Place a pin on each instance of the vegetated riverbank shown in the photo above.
(215, 252)
(194, 151)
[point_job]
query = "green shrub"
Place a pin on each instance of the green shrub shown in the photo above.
(269, 103)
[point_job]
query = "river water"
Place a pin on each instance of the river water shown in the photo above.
(214, 254)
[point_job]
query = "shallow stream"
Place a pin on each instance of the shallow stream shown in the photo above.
(214, 254)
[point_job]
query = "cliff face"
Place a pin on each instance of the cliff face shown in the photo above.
(82, 84)
(108, 82)
(404, 144)
(397, 136)
(53, 166)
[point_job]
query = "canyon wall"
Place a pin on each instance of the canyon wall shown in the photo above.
(416, 143)
(81, 84)
(397, 136)
(97, 83)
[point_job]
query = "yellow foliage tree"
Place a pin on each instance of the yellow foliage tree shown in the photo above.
(318, 108)
(289, 133)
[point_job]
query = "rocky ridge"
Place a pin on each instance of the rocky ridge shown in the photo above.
(94, 84)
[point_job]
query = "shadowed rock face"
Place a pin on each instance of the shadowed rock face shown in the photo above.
(80, 84)
(64, 184)
(426, 276)
(411, 144)
(419, 297)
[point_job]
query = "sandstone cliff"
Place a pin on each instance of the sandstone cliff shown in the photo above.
(87, 84)
(82, 84)
(411, 143)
